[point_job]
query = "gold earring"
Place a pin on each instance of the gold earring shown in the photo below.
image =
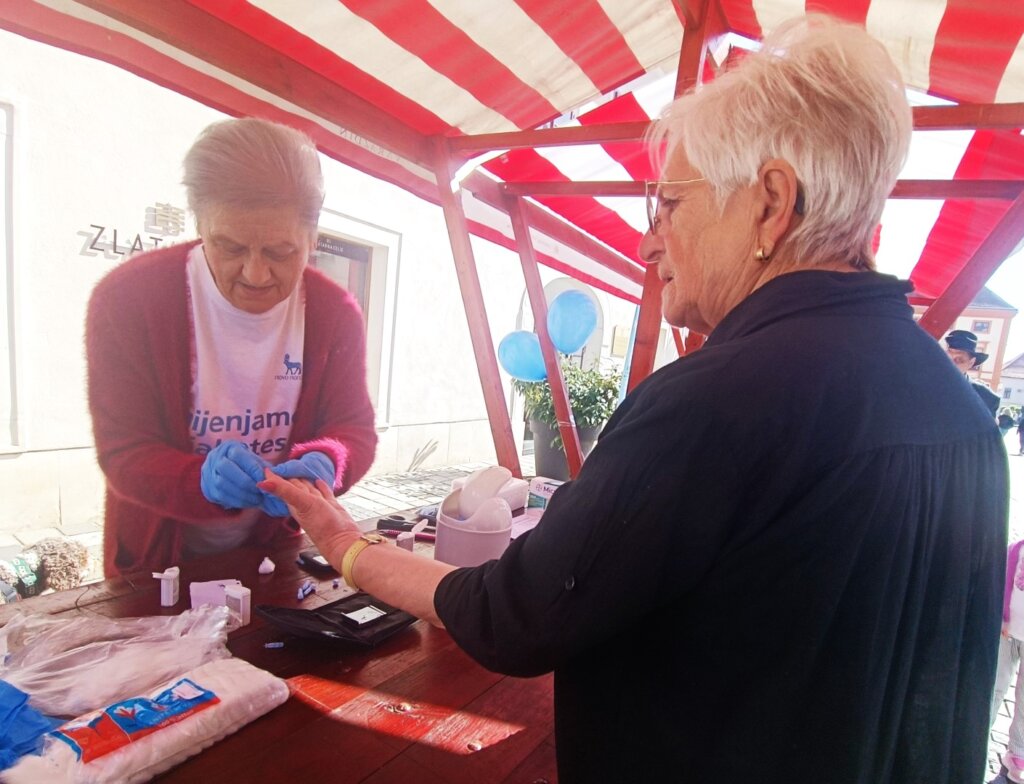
(761, 255)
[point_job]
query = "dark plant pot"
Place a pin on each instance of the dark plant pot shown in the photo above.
(550, 461)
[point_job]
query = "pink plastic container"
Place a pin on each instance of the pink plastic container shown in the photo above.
(459, 545)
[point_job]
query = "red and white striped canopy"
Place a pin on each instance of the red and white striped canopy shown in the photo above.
(373, 80)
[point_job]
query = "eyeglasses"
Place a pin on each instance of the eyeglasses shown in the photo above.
(654, 199)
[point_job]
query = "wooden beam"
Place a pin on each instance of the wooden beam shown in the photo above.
(648, 324)
(567, 136)
(476, 313)
(193, 30)
(905, 189)
(677, 337)
(692, 12)
(694, 340)
(996, 247)
(648, 328)
(490, 192)
(957, 189)
(570, 188)
(539, 305)
(694, 49)
(926, 118)
(969, 117)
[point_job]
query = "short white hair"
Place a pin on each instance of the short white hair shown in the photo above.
(822, 95)
(254, 163)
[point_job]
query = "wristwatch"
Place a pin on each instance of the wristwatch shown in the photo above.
(349, 559)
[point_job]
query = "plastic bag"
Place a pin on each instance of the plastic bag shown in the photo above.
(69, 666)
(127, 743)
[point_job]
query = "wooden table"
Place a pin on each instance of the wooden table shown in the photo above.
(415, 710)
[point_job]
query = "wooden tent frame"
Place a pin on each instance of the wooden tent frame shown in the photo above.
(190, 29)
(703, 25)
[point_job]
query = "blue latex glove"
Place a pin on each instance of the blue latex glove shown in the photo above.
(21, 726)
(229, 476)
(310, 466)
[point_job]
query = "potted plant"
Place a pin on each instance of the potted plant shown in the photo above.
(593, 396)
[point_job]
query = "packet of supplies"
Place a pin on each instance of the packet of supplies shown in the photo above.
(134, 739)
(69, 666)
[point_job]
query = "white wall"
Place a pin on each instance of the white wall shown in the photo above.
(91, 146)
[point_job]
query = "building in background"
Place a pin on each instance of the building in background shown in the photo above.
(989, 317)
(1012, 391)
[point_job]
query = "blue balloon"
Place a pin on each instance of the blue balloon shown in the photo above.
(572, 318)
(519, 353)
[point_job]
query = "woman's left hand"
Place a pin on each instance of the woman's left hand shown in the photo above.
(317, 511)
(398, 577)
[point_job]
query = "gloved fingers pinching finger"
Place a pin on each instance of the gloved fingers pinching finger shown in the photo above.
(249, 462)
(294, 469)
(236, 486)
(321, 465)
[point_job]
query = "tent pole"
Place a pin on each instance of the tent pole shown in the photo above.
(677, 336)
(691, 63)
(694, 49)
(648, 324)
(1003, 240)
(476, 314)
(535, 290)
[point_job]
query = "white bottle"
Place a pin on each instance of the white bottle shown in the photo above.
(169, 585)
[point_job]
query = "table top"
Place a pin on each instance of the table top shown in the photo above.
(414, 709)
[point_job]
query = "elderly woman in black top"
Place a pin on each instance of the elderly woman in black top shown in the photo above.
(783, 561)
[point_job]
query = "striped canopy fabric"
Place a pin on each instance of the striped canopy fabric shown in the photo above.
(373, 81)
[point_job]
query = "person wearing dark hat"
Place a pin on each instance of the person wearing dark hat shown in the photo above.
(962, 347)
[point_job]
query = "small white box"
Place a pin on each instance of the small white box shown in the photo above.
(170, 580)
(541, 490)
(238, 599)
(210, 592)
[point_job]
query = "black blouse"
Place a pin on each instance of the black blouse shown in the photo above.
(782, 562)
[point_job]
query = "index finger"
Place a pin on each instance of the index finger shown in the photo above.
(292, 493)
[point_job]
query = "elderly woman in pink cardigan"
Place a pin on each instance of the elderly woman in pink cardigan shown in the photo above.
(213, 360)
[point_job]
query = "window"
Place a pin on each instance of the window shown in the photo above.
(364, 259)
(981, 327)
(347, 264)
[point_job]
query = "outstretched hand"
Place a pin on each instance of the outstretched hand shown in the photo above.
(318, 512)
(310, 466)
(393, 575)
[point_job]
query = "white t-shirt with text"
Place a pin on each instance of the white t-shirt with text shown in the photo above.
(246, 382)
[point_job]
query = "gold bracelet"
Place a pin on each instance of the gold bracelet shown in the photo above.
(349, 559)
